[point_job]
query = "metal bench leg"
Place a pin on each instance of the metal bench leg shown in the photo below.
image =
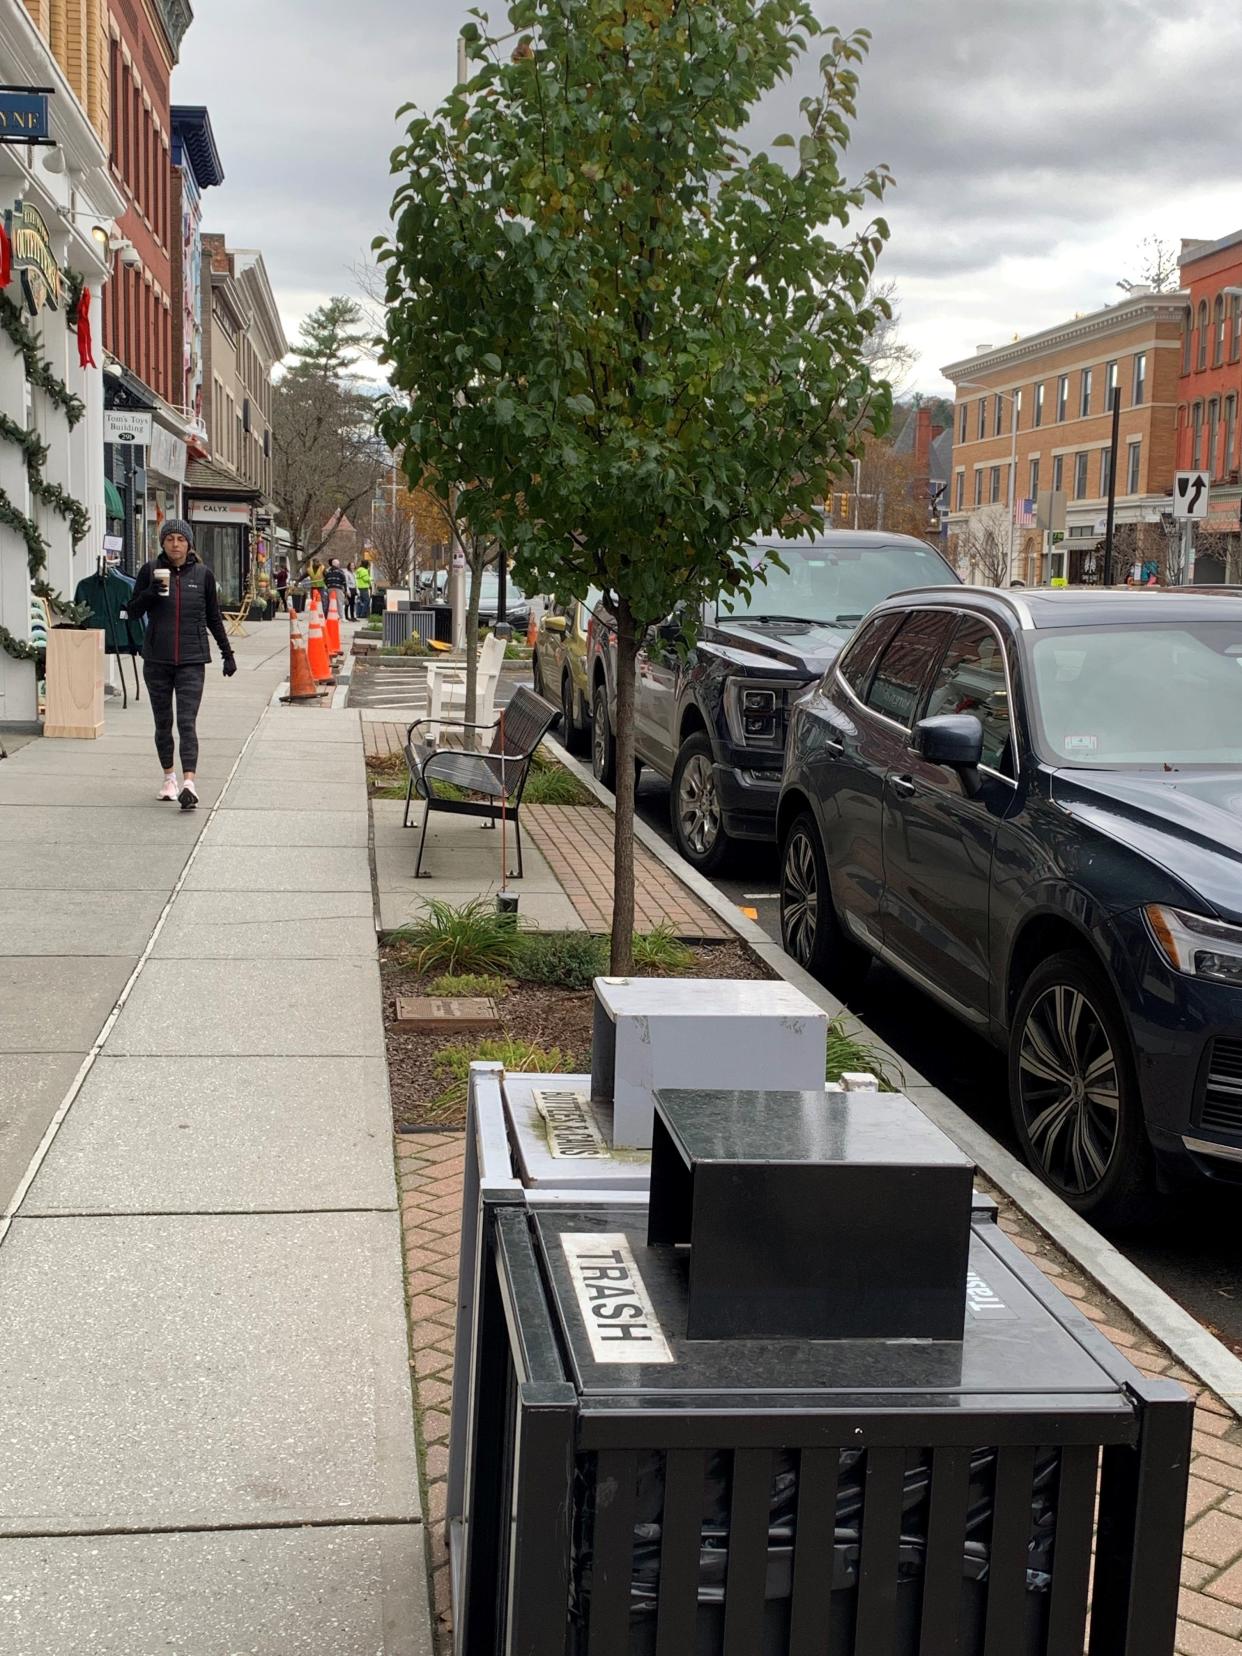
(409, 794)
(517, 829)
(422, 840)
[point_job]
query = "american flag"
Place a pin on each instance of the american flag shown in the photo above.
(1026, 514)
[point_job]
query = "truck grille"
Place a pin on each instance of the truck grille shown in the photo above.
(1222, 1099)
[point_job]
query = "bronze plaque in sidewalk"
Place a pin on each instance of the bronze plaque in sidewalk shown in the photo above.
(440, 1012)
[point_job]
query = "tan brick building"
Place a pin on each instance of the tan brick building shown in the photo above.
(1059, 383)
(77, 33)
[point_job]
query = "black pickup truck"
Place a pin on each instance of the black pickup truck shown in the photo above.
(713, 719)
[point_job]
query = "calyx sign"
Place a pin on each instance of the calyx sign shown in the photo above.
(1190, 494)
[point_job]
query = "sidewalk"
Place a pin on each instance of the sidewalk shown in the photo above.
(205, 1425)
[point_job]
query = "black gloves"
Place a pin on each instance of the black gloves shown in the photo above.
(230, 666)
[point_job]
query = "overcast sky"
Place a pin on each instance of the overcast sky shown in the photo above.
(1035, 142)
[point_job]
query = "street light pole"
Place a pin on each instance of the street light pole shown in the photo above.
(1013, 474)
(1112, 488)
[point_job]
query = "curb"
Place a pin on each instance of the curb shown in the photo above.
(1206, 1357)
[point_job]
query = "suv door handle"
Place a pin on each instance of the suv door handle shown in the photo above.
(834, 746)
(904, 786)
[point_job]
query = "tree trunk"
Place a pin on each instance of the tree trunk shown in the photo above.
(621, 961)
(475, 574)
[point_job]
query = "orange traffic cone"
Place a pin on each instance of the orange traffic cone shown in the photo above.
(334, 627)
(317, 650)
(312, 601)
(301, 679)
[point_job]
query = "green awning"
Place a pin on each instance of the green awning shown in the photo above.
(113, 504)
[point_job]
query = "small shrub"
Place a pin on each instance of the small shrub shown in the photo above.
(661, 952)
(570, 960)
(468, 983)
(520, 1057)
(472, 938)
(552, 784)
(846, 1053)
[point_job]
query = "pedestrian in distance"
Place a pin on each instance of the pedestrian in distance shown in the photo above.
(362, 576)
(316, 576)
(334, 581)
(177, 595)
(282, 582)
(351, 592)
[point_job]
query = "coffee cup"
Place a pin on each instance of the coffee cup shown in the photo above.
(162, 579)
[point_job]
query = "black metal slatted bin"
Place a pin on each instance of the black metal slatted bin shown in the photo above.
(809, 1498)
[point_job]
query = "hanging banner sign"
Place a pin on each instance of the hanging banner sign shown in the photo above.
(24, 118)
(128, 425)
(33, 258)
(167, 455)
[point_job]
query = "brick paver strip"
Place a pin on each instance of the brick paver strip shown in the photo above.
(577, 842)
(429, 1168)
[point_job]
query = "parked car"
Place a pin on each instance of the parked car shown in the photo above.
(517, 604)
(713, 719)
(1029, 806)
(559, 665)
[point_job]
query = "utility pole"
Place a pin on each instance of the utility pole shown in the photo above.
(857, 485)
(1013, 474)
(462, 67)
(1112, 488)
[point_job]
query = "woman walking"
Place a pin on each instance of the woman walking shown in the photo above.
(177, 594)
(351, 591)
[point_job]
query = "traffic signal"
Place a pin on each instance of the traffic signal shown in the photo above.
(845, 507)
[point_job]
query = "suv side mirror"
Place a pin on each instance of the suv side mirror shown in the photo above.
(953, 739)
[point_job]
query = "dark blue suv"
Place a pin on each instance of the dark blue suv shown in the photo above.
(1030, 805)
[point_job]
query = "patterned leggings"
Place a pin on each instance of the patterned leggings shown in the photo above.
(163, 681)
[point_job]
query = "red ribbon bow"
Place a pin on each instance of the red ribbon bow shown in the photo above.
(86, 349)
(6, 256)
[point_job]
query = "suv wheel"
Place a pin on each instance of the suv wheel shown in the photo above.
(603, 742)
(810, 929)
(1073, 1091)
(571, 730)
(697, 825)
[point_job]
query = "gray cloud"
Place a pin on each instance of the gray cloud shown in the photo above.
(1015, 130)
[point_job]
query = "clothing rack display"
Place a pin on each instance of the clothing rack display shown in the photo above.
(106, 593)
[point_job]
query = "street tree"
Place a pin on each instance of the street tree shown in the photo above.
(886, 353)
(392, 541)
(890, 492)
(326, 459)
(634, 342)
(981, 547)
(1158, 267)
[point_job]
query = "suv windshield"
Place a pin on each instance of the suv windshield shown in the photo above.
(832, 584)
(1139, 696)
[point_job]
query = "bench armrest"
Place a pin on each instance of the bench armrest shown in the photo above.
(456, 724)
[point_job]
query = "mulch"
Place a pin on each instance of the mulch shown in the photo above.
(536, 1013)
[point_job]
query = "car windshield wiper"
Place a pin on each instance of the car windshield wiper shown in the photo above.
(777, 620)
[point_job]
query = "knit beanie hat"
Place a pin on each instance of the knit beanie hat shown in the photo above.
(175, 526)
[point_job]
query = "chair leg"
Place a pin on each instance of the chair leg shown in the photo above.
(418, 866)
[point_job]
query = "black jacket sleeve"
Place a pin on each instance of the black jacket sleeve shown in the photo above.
(215, 621)
(142, 597)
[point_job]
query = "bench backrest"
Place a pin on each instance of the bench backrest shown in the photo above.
(527, 720)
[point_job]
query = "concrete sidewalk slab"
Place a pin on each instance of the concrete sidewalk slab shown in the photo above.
(300, 925)
(103, 827)
(77, 923)
(306, 778)
(304, 1592)
(222, 1007)
(64, 867)
(222, 1135)
(32, 1088)
(54, 788)
(287, 828)
(256, 793)
(272, 868)
(193, 1372)
(57, 1004)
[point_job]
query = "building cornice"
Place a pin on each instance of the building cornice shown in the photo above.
(253, 274)
(1154, 308)
(175, 17)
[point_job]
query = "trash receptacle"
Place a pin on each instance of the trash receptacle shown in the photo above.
(634, 1492)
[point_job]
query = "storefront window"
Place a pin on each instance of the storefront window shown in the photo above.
(220, 546)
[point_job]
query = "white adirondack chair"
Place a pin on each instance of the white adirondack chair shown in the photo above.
(446, 692)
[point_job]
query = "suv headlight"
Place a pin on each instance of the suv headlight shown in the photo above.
(1193, 944)
(756, 713)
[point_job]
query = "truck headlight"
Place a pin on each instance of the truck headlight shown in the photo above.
(1195, 945)
(756, 713)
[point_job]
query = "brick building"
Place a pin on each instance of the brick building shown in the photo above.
(1060, 383)
(196, 168)
(1208, 433)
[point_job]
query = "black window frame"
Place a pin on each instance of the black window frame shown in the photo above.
(963, 617)
(946, 619)
(884, 626)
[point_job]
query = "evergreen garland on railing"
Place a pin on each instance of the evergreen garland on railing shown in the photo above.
(35, 452)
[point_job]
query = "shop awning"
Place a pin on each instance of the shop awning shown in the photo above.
(113, 504)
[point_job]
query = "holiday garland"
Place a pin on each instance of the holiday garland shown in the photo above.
(35, 452)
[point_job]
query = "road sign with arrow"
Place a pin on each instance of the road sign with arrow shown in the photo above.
(1190, 495)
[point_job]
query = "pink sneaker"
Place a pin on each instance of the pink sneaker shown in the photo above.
(169, 791)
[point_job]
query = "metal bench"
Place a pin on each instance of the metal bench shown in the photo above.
(498, 776)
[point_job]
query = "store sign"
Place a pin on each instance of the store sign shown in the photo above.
(167, 455)
(33, 258)
(126, 425)
(219, 511)
(24, 118)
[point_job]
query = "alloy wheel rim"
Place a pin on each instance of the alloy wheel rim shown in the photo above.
(799, 899)
(1070, 1090)
(599, 743)
(698, 807)
(567, 708)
